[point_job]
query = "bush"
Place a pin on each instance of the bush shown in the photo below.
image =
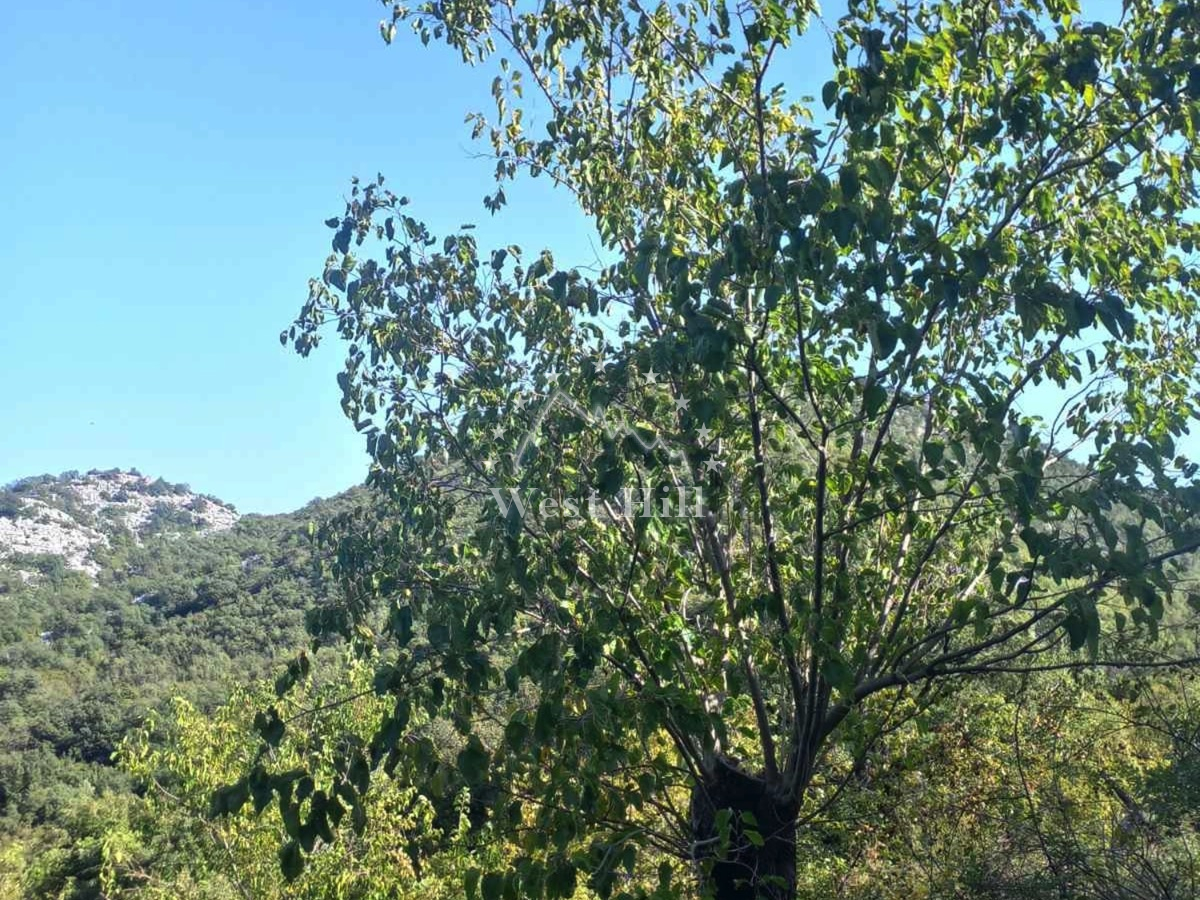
(165, 517)
(158, 488)
(10, 506)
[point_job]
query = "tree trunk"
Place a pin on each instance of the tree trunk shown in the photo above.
(747, 868)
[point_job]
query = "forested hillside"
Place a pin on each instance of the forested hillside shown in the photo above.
(145, 602)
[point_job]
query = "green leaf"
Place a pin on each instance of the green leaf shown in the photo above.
(473, 761)
(471, 883)
(229, 800)
(403, 625)
(874, 398)
(341, 240)
(883, 338)
(849, 182)
(829, 94)
(558, 284)
(493, 886)
(560, 880)
(270, 726)
(291, 860)
(837, 672)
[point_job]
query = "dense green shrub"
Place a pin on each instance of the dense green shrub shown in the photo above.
(10, 505)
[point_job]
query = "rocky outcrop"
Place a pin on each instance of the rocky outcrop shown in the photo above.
(72, 515)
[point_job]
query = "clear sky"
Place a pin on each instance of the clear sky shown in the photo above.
(167, 170)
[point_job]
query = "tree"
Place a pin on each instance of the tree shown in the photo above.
(925, 348)
(10, 505)
(173, 851)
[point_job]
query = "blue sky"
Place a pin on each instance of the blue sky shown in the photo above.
(168, 167)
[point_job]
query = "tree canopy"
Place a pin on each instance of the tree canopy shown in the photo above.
(924, 345)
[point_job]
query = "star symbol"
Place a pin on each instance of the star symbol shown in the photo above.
(681, 403)
(498, 432)
(704, 433)
(521, 401)
(712, 464)
(651, 376)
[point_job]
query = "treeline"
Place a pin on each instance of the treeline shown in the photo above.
(83, 662)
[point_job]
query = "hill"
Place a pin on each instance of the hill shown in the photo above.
(73, 516)
(117, 593)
